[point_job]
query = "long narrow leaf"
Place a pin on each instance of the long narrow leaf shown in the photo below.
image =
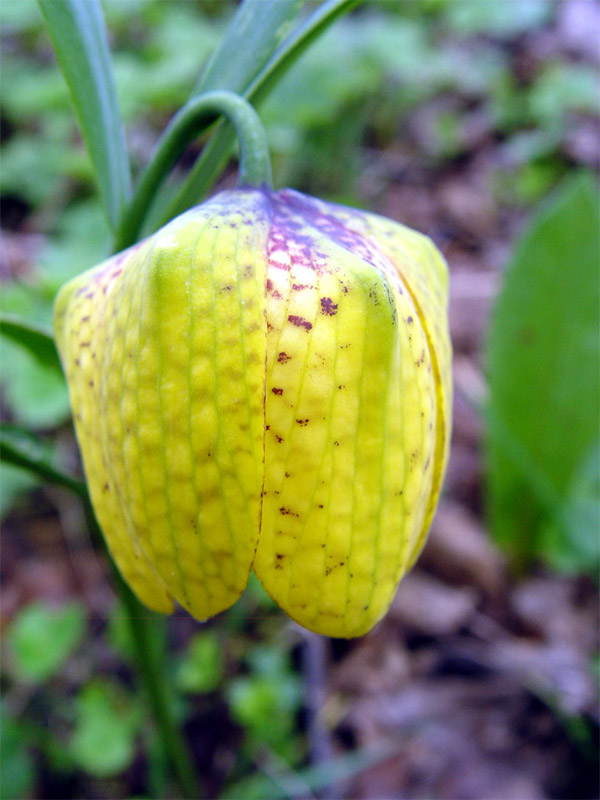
(78, 34)
(22, 449)
(218, 149)
(35, 338)
(254, 33)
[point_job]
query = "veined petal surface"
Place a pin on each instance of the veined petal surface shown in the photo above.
(264, 383)
(164, 351)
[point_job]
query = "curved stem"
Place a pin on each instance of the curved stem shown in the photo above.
(217, 150)
(255, 165)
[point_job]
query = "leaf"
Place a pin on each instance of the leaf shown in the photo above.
(41, 639)
(201, 669)
(35, 338)
(504, 19)
(78, 34)
(25, 450)
(218, 148)
(544, 371)
(256, 30)
(103, 742)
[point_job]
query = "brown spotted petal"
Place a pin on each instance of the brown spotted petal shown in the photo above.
(264, 383)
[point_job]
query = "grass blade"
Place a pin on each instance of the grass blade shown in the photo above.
(78, 34)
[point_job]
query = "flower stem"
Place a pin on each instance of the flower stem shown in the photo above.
(255, 165)
(144, 628)
(147, 636)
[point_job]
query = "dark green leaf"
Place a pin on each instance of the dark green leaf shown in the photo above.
(544, 373)
(36, 339)
(78, 34)
(41, 639)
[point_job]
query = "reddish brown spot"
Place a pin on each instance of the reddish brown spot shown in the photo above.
(276, 391)
(328, 306)
(269, 284)
(300, 322)
(279, 438)
(287, 512)
(302, 422)
(283, 358)
(299, 286)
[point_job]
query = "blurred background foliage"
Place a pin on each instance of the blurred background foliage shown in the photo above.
(476, 122)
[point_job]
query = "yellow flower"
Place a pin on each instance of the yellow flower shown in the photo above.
(264, 384)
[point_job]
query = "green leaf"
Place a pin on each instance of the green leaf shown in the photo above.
(544, 372)
(41, 638)
(503, 19)
(215, 154)
(25, 450)
(103, 742)
(34, 338)
(577, 545)
(256, 30)
(561, 88)
(78, 34)
(201, 669)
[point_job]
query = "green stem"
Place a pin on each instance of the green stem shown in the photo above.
(149, 650)
(217, 150)
(255, 165)
(147, 632)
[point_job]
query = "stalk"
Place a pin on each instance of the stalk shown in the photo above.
(255, 164)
